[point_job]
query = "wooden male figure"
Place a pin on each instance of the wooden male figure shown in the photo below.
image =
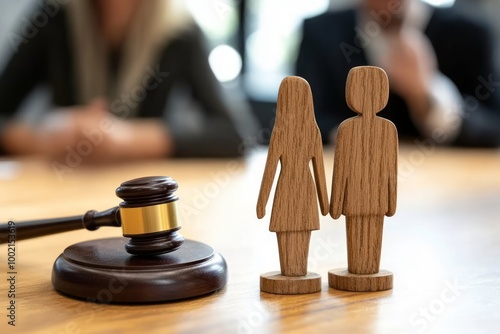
(295, 142)
(364, 180)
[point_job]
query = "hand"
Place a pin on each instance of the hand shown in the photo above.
(64, 129)
(135, 139)
(93, 133)
(335, 212)
(54, 133)
(113, 139)
(261, 210)
(411, 64)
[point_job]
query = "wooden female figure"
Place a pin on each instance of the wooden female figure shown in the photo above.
(295, 142)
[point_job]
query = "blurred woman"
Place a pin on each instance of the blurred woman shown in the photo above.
(112, 67)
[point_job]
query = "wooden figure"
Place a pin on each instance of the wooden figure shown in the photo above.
(364, 180)
(295, 142)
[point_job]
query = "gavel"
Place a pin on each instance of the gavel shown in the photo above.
(147, 215)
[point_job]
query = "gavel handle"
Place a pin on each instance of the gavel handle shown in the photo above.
(91, 221)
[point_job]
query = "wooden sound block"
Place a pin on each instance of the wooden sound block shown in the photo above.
(341, 279)
(102, 271)
(274, 282)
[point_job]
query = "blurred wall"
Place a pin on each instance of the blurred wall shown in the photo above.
(488, 9)
(10, 15)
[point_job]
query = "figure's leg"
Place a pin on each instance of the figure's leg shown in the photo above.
(293, 278)
(293, 252)
(364, 243)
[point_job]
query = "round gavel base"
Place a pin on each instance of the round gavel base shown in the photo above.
(102, 271)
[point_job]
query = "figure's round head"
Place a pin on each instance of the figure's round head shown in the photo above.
(367, 89)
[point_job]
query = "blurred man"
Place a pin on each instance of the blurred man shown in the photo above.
(440, 68)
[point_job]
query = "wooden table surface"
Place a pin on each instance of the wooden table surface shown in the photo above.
(443, 246)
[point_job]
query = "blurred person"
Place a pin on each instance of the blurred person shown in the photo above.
(440, 67)
(112, 67)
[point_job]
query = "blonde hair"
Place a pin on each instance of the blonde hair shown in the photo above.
(155, 23)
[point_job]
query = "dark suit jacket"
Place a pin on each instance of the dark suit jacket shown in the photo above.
(46, 58)
(330, 48)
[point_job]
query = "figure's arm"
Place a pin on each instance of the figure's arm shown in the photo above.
(267, 180)
(339, 176)
(393, 172)
(319, 176)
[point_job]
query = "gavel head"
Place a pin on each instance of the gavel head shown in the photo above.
(149, 215)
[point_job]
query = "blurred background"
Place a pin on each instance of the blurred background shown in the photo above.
(240, 33)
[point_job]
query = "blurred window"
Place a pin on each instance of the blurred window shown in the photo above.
(219, 21)
(273, 35)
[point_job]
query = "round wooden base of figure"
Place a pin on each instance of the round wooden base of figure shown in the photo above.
(274, 282)
(102, 271)
(341, 279)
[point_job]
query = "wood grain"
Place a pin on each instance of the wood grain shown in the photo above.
(101, 271)
(295, 143)
(275, 282)
(151, 226)
(443, 241)
(365, 170)
(342, 279)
